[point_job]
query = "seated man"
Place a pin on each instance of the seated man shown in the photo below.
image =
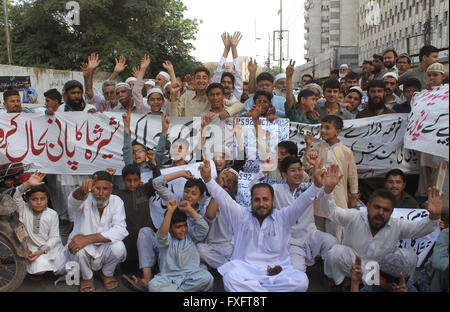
(307, 242)
(260, 261)
(179, 260)
(99, 229)
(396, 184)
(395, 269)
(371, 234)
(217, 248)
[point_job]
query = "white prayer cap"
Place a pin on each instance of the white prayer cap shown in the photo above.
(279, 77)
(310, 86)
(357, 89)
(155, 90)
(232, 171)
(150, 83)
(344, 66)
(436, 67)
(401, 261)
(166, 85)
(130, 80)
(391, 74)
(122, 85)
(165, 75)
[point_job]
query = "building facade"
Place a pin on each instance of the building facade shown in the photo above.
(403, 25)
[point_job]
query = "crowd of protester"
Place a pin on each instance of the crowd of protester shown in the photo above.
(314, 217)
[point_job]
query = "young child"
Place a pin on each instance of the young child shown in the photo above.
(179, 260)
(263, 106)
(41, 224)
(135, 152)
(334, 152)
(194, 193)
(436, 75)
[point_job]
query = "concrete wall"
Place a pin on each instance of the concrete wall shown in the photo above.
(44, 79)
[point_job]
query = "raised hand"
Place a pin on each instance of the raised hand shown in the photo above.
(165, 122)
(172, 205)
(187, 174)
(88, 185)
(234, 41)
(145, 61)
(356, 272)
(205, 170)
(312, 157)
(290, 69)
(111, 171)
(226, 40)
(331, 177)
(269, 164)
(434, 203)
(252, 66)
(401, 287)
(309, 138)
(189, 82)
(127, 121)
(135, 71)
(93, 61)
(84, 68)
(36, 179)
(120, 64)
(151, 157)
(168, 66)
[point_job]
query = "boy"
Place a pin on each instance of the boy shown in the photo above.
(136, 197)
(334, 152)
(41, 224)
(436, 75)
(262, 106)
(179, 260)
(331, 89)
(411, 86)
(353, 101)
(179, 149)
(135, 152)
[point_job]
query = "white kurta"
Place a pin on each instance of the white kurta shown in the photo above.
(358, 237)
(47, 239)
(112, 226)
(258, 246)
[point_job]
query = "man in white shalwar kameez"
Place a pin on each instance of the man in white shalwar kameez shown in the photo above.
(372, 234)
(99, 229)
(41, 224)
(260, 261)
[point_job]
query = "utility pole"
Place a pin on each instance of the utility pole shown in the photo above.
(268, 52)
(427, 30)
(281, 36)
(8, 40)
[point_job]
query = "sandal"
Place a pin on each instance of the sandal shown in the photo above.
(109, 282)
(87, 285)
(130, 283)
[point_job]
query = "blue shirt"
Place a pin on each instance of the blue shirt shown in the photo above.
(25, 98)
(277, 102)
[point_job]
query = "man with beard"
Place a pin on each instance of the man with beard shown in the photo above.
(217, 248)
(391, 81)
(73, 98)
(232, 83)
(124, 95)
(280, 85)
(99, 229)
(376, 92)
(12, 101)
(260, 261)
(367, 72)
(378, 68)
(389, 60)
(372, 234)
(343, 71)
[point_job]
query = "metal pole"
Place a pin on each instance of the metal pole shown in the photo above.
(281, 36)
(8, 40)
(268, 53)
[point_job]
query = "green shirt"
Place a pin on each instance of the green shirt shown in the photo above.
(294, 115)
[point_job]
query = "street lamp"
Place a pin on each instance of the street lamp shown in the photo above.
(268, 50)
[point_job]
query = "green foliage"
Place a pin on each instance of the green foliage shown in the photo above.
(41, 37)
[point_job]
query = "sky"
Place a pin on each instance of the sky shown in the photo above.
(254, 19)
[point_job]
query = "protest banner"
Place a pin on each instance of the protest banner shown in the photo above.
(376, 142)
(428, 125)
(421, 245)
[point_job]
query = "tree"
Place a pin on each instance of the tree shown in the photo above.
(41, 36)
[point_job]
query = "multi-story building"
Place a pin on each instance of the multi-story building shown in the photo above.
(331, 36)
(403, 25)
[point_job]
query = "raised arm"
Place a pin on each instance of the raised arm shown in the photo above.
(163, 231)
(227, 46)
(126, 148)
(93, 62)
(231, 210)
(252, 68)
(200, 228)
(171, 71)
(120, 67)
(137, 89)
(289, 85)
(36, 179)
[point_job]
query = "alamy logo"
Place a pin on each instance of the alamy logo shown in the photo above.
(73, 273)
(372, 273)
(373, 13)
(73, 16)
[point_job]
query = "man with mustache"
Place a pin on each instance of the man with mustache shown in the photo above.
(396, 184)
(260, 261)
(376, 92)
(372, 234)
(73, 98)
